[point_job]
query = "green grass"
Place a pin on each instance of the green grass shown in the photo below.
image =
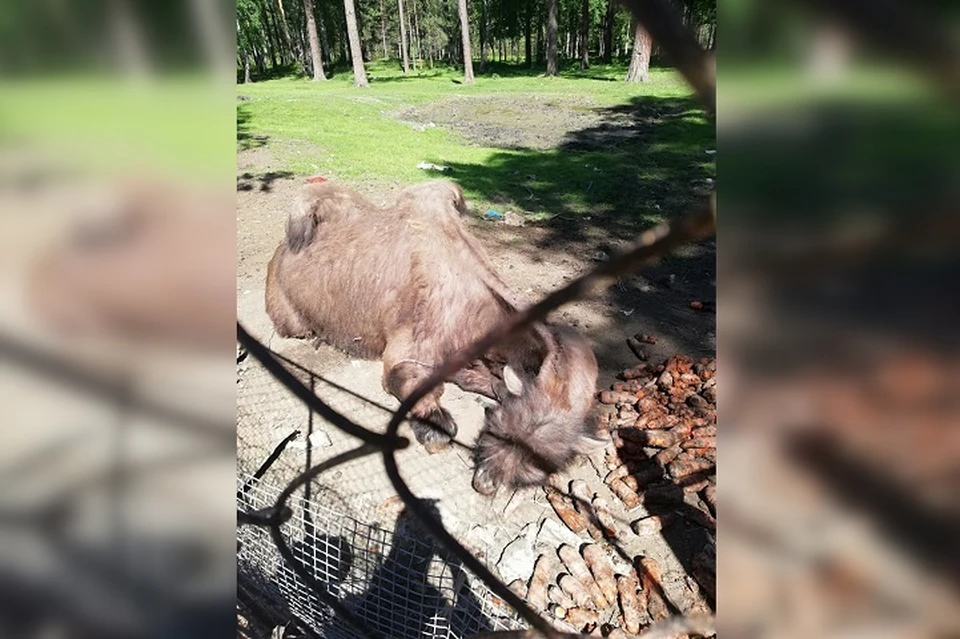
(879, 141)
(332, 128)
(179, 126)
(763, 87)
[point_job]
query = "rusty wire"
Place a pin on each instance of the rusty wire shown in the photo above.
(698, 67)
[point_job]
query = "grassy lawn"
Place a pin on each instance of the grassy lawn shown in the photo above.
(369, 137)
(104, 125)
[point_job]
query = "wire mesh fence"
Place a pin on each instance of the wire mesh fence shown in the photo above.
(397, 582)
(348, 532)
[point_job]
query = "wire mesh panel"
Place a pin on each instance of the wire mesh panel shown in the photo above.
(398, 582)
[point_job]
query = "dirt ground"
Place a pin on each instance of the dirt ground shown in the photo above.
(507, 124)
(533, 259)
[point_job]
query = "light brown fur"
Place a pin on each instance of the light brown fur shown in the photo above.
(157, 266)
(410, 285)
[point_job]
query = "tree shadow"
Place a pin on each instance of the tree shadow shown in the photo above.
(660, 297)
(261, 181)
(643, 162)
(416, 591)
(638, 165)
(568, 69)
(270, 73)
(420, 74)
(684, 529)
(245, 139)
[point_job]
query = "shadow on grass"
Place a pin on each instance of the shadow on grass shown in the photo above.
(263, 181)
(245, 139)
(613, 71)
(642, 163)
(271, 73)
(392, 71)
(376, 76)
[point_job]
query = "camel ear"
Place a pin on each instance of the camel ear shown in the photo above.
(512, 380)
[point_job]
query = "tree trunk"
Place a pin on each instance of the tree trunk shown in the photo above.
(244, 57)
(540, 42)
(216, 42)
(829, 52)
(300, 44)
(465, 33)
(416, 26)
(258, 59)
(383, 31)
(356, 54)
(267, 36)
(484, 19)
(128, 40)
(552, 37)
(403, 38)
(608, 31)
(314, 41)
(585, 35)
(272, 39)
(285, 29)
(342, 43)
(601, 50)
(639, 70)
(528, 34)
(326, 52)
(413, 58)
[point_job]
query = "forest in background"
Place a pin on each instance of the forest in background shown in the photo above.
(282, 37)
